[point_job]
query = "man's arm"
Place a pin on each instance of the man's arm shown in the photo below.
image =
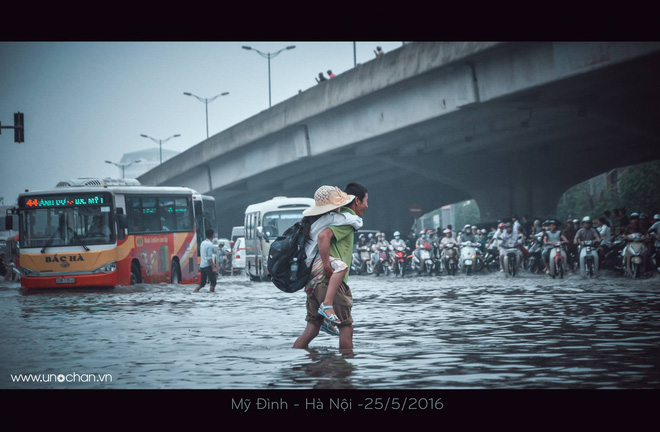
(324, 239)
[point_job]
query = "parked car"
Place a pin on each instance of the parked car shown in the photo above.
(238, 256)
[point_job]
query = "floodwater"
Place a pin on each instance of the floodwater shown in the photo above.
(478, 332)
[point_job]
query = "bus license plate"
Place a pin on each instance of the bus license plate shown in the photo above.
(65, 280)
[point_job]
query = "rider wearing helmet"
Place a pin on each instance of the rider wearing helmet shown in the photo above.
(397, 240)
(587, 232)
(634, 227)
(380, 241)
(495, 239)
(655, 228)
(467, 235)
(509, 238)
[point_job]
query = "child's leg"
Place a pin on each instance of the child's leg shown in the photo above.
(333, 286)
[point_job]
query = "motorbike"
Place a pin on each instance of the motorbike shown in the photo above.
(557, 260)
(511, 259)
(224, 261)
(383, 265)
(400, 259)
(450, 258)
(470, 258)
(588, 258)
(362, 259)
(612, 255)
(491, 259)
(634, 258)
(533, 262)
(423, 263)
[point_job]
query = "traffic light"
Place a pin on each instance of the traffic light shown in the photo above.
(18, 127)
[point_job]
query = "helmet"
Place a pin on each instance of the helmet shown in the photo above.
(381, 234)
(552, 222)
(467, 226)
(575, 221)
(508, 225)
(586, 219)
(371, 235)
(397, 234)
(483, 231)
(634, 215)
(643, 216)
(474, 228)
(422, 232)
(447, 231)
(656, 216)
(501, 225)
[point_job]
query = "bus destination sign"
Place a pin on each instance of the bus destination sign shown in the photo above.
(64, 201)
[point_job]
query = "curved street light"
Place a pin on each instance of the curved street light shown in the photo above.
(160, 142)
(206, 101)
(124, 165)
(268, 56)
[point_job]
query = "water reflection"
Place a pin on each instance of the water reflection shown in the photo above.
(484, 331)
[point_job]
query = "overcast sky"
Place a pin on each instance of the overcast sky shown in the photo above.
(88, 102)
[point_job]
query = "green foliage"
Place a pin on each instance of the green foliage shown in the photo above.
(638, 190)
(467, 212)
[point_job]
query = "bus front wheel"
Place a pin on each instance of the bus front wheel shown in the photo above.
(176, 273)
(135, 274)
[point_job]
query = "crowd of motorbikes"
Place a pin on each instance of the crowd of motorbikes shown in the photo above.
(431, 258)
(634, 255)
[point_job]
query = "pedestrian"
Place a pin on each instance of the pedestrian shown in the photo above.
(207, 266)
(330, 74)
(320, 78)
(378, 51)
(336, 242)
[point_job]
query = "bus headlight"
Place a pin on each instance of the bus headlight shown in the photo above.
(108, 268)
(27, 272)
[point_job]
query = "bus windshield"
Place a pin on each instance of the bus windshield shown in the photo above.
(69, 226)
(275, 223)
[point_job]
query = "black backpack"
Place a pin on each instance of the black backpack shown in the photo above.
(284, 250)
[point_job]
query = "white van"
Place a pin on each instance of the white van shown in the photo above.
(264, 222)
(236, 232)
(238, 256)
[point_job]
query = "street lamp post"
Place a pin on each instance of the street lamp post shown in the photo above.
(269, 56)
(206, 101)
(160, 142)
(124, 165)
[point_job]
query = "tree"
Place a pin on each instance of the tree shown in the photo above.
(640, 188)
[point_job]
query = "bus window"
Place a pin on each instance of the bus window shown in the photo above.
(184, 221)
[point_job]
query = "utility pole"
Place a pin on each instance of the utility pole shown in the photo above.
(19, 128)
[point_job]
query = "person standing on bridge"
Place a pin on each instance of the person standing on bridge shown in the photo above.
(321, 78)
(333, 242)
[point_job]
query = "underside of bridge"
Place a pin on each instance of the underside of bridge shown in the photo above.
(516, 154)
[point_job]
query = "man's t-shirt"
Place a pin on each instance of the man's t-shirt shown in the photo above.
(206, 253)
(341, 245)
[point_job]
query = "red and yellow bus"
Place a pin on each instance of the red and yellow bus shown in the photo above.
(103, 232)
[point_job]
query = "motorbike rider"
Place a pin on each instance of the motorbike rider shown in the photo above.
(380, 241)
(496, 238)
(419, 244)
(654, 233)
(571, 248)
(587, 232)
(508, 237)
(397, 240)
(551, 236)
(467, 235)
(635, 227)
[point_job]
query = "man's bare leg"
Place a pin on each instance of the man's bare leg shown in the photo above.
(310, 332)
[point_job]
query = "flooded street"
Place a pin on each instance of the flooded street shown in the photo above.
(480, 332)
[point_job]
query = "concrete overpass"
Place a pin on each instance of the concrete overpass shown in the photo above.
(511, 125)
